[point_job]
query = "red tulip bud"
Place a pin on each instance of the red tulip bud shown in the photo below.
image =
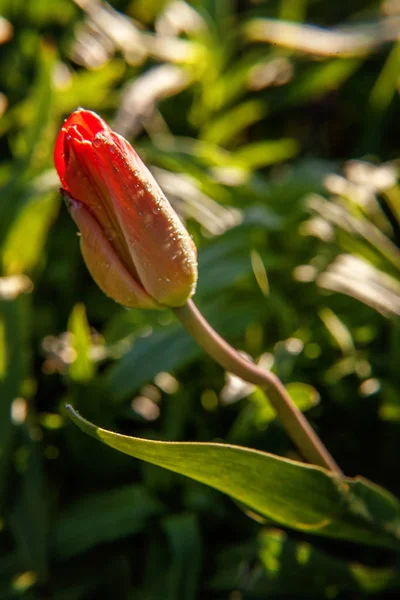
(132, 241)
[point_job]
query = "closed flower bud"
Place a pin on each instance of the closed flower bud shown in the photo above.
(134, 245)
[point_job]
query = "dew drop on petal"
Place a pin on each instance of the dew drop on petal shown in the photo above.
(148, 220)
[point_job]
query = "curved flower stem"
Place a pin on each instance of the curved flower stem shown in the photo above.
(293, 420)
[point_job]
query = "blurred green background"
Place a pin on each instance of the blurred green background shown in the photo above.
(277, 142)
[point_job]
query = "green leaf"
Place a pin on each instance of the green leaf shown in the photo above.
(12, 371)
(303, 395)
(302, 497)
(29, 516)
(82, 367)
(155, 562)
(280, 565)
(184, 539)
(32, 147)
(381, 97)
(80, 92)
(265, 153)
(103, 517)
(315, 81)
(224, 129)
(389, 409)
(39, 107)
(164, 350)
(31, 223)
(227, 260)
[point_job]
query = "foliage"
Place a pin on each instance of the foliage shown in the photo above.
(277, 144)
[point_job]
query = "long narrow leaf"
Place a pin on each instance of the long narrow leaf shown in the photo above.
(292, 494)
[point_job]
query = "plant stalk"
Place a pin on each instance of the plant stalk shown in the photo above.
(292, 419)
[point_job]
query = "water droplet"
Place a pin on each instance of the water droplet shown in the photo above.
(148, 220)
(96, 142)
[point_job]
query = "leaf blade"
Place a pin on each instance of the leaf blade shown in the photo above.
(302, 497)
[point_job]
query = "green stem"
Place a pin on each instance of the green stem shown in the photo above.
(293, 420)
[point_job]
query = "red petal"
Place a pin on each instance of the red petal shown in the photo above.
(104, 263)
(159, 246)
(83, 177)
(88, 121)
(84, 121)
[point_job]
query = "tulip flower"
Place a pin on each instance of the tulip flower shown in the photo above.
(139, 253)
(134, 245)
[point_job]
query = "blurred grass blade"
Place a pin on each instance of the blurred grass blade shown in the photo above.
(302, 497)
(225, 128)
(380, 99)
(80, 90)
(284, 565)
(29, 517)
(12, 372)
(338, 330)
(3, 348)
(311, 39)
(293, 10)
(357, 278)
(184, 540)
(314, 82)
(32, 222)
(28, 150)
(103, 517)
(266, 153)
(286, 562)
(82, 367)
(42, 101)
